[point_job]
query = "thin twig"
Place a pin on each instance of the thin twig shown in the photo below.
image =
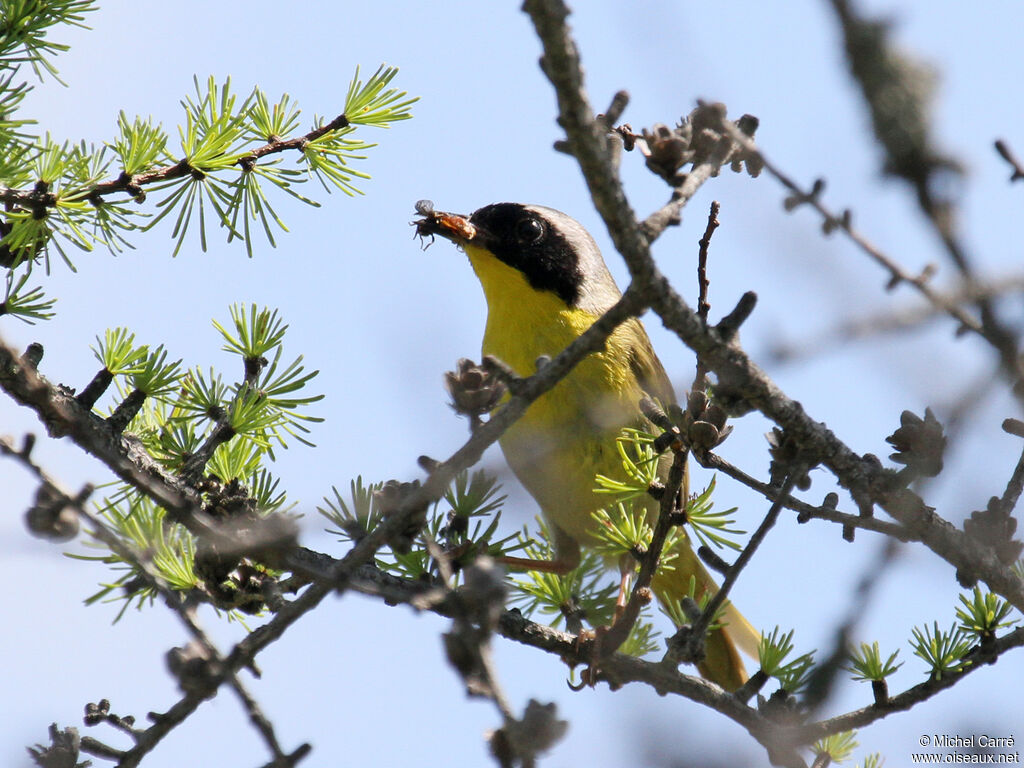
(618, 669)
(640, 594)
(907, 318)
(264, 726)
(703, 305)
(700, 379)
(823, 677)
(132, 184)
(994, 335)
(1008, 155)
(586, 135)
(891, 84)
(699, 628)
(977, 659)
(660, 220)
(144, 741)
(1014, 487)
(806, 511)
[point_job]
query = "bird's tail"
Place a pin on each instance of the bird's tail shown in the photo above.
(722, 663)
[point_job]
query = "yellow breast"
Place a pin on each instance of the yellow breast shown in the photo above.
(567, 436)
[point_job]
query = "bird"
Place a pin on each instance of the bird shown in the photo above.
(545, 282)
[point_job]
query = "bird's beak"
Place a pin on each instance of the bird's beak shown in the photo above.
(452, 226)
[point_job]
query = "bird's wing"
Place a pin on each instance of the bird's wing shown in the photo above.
(648, 368)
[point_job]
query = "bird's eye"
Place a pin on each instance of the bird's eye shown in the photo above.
(529, 231)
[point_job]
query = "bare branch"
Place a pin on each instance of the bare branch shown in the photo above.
(897, 91)
(693, 646)
(733, 367)
(897, 320)
(1008, 155)
(805, 511)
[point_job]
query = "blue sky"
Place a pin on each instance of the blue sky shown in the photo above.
(382, 320)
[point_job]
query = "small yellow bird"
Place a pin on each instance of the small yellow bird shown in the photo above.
(545, 283)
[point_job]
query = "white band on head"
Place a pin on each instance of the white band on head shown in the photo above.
(598, 292)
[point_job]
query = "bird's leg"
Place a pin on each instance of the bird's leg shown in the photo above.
(567, 557)
(623, 598)
(555, 566)
(598, 634)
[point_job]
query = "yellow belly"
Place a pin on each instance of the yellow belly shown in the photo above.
(564, 440)
(567, 436)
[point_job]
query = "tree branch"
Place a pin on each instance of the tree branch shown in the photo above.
(37, 200)
(805, 511)
(723, 356)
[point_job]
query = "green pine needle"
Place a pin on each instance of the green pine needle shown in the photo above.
(203, 396)
(214, 127)
(275, 390)
(236, 460)
(942, 651)
(474, 495)
(356, 516)
(673, 608)
(255, 333)
(793, 677)
(17, 153)
(588, 591)
(249, 416)
(639, 464)
(26, 236)
(174, 443)
(641, 467)
(263, 487)
(983, 614)
(140, 145)
(118, 354)
(25, 305)
(621, 530)
(866, 663)
(155, 376)
(642, 640)
(140, 525)
(773, 651)
(329, 159)
(272, 123)
(26, 28)
(710, 527)
(371, 104)
(837, 747)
